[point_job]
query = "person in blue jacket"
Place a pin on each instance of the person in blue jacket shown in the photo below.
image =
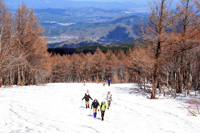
(109, 81)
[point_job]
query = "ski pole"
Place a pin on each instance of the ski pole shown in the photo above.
(98, 113)
(82, 103)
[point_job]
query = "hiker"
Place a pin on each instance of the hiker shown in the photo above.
(109, 80)
(84, 82)
(103, 107)
(87, 100)
(104, 82)
(109, 99)
(95, 105)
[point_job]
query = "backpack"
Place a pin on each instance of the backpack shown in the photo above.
(109, 97)
(101, 105)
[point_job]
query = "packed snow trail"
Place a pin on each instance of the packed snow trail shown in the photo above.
(58, 108)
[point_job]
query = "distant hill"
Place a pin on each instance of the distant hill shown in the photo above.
(117, 31)
(119, 34)
(130, 20)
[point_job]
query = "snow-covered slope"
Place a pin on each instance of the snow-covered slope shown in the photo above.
(58, 108)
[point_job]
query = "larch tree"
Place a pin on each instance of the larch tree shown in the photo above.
(75, 67)
(98, 65)
(122, 65)
(88, 66)
(5, 40)
(144, 63)
(111, 66)
(197, 73)
(30, 41)
(60, 68)
(187, 38)
(156, 34)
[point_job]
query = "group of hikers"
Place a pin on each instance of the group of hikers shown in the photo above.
(98, 106)
(103, 81)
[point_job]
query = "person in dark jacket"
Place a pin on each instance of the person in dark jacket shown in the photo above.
(87, 100)
(95, 105)
(104, 82)
(109, 81)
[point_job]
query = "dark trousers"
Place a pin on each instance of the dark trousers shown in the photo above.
(102, 114)
(109, 103)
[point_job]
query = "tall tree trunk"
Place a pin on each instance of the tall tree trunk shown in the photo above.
(144, 82)
(36, 78)
(167, 79)
(153, 94)
(164, 89)
(1, 80)
(18, 76)
(189, 83)
(181, 76)
(22, 77)
(155, 75)
(198, 81)
(177, 80)
(10, 78)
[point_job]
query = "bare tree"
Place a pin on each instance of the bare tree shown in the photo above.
(186, 38)
(29, 40)
(156, 34)
(5, 40)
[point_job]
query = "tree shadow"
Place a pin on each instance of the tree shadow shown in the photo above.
(146, 93)
(137, 90)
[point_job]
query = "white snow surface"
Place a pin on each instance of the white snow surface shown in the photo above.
(58, 108)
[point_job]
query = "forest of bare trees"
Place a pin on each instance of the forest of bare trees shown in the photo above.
(24, 59)
(169, 55)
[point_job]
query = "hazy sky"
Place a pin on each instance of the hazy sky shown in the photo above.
(109, 0)
(142, 1)
(62, 3)
(137, 1)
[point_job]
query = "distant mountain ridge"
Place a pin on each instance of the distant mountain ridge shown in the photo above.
(110, 30)
(75, 27)
(130, 20)
(62, 4)
(89, 14)
(101, 33)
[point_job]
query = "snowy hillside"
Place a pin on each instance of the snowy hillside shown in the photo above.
(58, 108)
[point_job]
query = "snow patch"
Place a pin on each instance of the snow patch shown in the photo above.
(58, 108)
